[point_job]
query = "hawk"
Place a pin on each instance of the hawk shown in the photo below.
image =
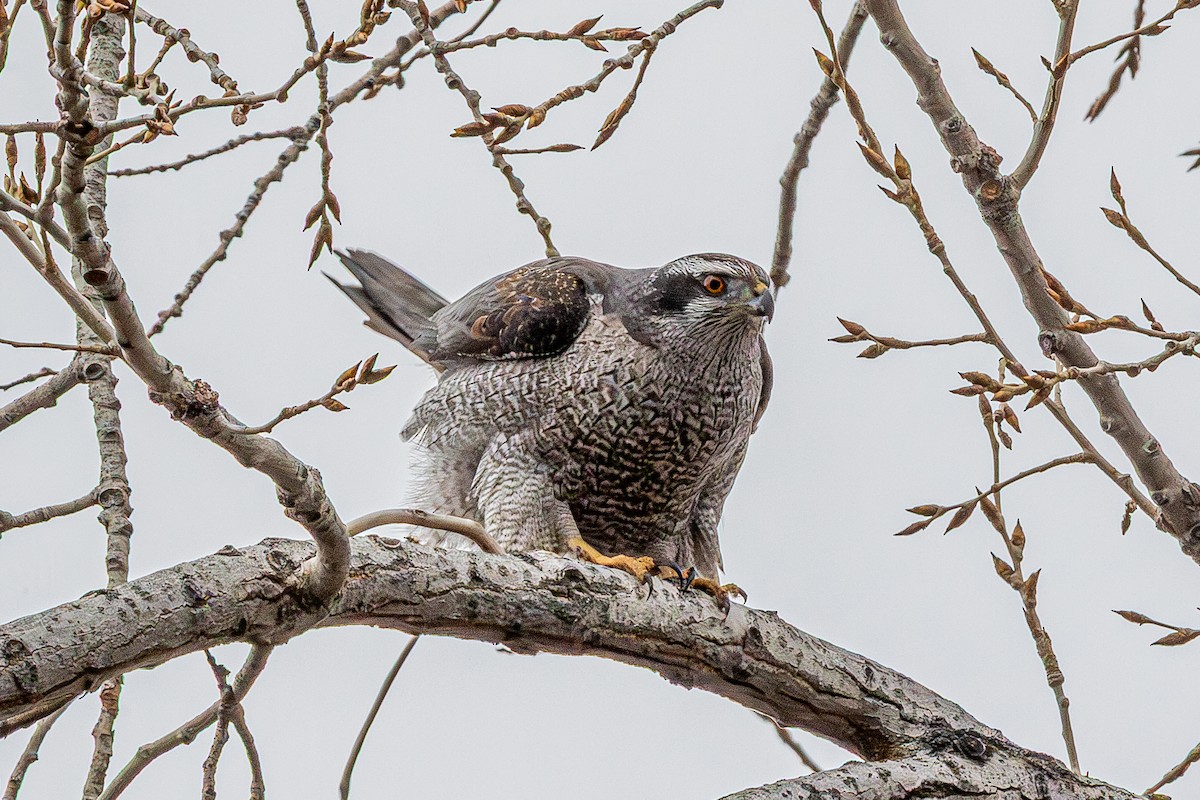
(586, 407)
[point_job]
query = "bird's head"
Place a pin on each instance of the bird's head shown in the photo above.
(710, 291)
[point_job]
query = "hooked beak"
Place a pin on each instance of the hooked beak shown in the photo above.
(763, 303)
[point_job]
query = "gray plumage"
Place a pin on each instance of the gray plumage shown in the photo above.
(581, 399)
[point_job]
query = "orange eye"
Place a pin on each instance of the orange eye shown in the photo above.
(714, 284)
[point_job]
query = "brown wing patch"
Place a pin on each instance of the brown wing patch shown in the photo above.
(538, 311)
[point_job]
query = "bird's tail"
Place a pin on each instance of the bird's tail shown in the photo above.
(397, 304)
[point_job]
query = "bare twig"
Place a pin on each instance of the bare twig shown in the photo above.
(287, 133)
(101, 349)
(411, 516)
(1129, 59)
(472, 98)
(43, 396)
(33, 376)
(348, 770)
(194, 52)
(1176, 772)
(1044, 125)
(30, 754)
(1179, 635)
(187, 733)
(362, 373)
(366, 83)
(225, 705)
(1003, 80)
(966, 507)
(786, 737)
(39, 515)
(553, 148)
(613, 120)
(1120, 219)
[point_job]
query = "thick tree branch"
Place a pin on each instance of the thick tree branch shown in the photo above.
(949, 773)
(997, 195)
(537, 602)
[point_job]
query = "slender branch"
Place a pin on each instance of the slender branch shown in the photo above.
(1144, 30)
(225, 706)
(348, 770)
(45, 395)
(292, 133)
(1176, 772)
(101, 349)
(1120, 219)
(368, 82)
(186, 733)
(30, 754)
(194, 52)
(37, 516)
(1044, 126)
(472, 98)
(819, 107)
(53, 276)
(1177, 498)
(411, 516)
(786, 737)
(33, 376)
(1003, 80)
(933, 512)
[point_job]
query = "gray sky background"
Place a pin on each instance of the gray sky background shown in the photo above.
(846, 445)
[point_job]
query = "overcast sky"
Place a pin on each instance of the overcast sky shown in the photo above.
(846, 445)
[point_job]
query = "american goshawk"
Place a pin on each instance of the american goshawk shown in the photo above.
(586, 407)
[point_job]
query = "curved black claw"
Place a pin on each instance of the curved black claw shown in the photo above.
(684, 578)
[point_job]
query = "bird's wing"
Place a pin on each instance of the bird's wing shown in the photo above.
(768, 379)
(535, 311)
(397, 304)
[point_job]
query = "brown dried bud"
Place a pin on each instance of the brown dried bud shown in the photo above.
(852, 327)
(513, 110)
(1018, 536)
(919, 525)
(1086, 326)
(1181, 636)
(1002, 568)
(472, 129)
(961, 516)
(1135, 617)
(347, 377)
(927, 510)
(580, 28)
(1116, 218)
(991, 512)
(980, 379)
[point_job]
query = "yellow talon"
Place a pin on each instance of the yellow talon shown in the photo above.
(639, 566)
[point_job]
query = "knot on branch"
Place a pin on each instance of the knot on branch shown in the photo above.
(969, 745)
(196, 399)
